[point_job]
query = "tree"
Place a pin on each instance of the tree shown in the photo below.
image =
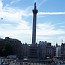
(8, 49)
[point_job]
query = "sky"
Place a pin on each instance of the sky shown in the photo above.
(16, 19)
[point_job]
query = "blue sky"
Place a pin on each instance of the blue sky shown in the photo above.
(17, 20)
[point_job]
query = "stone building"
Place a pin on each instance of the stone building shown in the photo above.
(63, 50)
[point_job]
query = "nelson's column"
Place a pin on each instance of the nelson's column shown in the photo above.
(35, 11)
(33, 48)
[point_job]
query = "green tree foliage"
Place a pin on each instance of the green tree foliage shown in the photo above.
(8, 49)
(10, 46)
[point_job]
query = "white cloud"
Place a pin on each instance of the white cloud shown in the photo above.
(1, 5)
(14, 1)
(43, 1)
(12, 14)
(23, 25)
(51, 13)
(48, 29)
